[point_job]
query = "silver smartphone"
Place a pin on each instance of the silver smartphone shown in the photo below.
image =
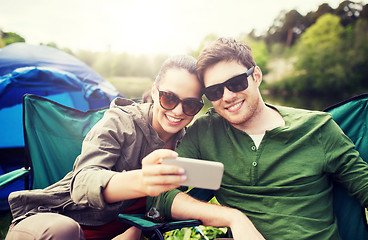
(200, 173)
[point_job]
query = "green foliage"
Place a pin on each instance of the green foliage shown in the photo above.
(204, 43)
(318, 54)
(286, 28)
(50, 44)
(260, 53)
(131, 87)
(277, 49)
(2, 43)
(357, 54)
(10, 37)
(348, 12)
(331, 46)
(328, 55)
(192, 233)
(259, 48)
(110, 64)
(332, 60)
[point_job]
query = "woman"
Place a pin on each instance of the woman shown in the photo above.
(118, 165)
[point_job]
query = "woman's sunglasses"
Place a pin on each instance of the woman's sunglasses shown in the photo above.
(234, 84)
(169, 101)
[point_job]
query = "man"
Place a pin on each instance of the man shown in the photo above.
(278, 160)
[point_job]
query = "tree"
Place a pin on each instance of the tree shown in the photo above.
(312, 17)
(364, 12)
(259, 49)
(357, 56)
(287, 27)
(10, 37)
(321, 56)
(348, 12)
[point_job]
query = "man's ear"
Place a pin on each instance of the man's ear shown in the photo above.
(257, 75)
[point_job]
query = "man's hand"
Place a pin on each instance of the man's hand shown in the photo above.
(242, 227)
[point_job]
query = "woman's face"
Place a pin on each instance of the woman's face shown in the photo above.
(184, 85)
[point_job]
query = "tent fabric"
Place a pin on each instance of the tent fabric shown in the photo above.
(39, 80)
(352, 117)
(20, 55)
(47, 72)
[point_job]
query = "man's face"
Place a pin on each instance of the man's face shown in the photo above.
(235, 107)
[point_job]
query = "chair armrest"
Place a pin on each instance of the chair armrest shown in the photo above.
(10, 177)
(140, 222)
(148, 227)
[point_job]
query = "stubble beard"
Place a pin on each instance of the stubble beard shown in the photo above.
(248, 112)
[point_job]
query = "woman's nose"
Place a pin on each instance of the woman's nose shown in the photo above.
(178, 110)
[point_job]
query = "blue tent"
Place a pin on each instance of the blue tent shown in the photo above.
(47, 72)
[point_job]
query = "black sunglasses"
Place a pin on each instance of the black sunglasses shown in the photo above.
(169, 101)
(234, 84)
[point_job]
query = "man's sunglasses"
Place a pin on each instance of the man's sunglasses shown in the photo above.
(234, 84)
(169, 101)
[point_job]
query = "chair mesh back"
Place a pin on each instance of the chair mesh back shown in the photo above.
(352, 117)
(53, 137)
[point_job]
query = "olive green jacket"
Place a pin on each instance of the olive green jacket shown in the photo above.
(118, 142)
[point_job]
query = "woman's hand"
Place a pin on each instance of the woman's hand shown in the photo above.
(153, 179)
(157, 177)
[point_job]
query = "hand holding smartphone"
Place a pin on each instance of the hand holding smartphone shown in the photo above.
(200, 173)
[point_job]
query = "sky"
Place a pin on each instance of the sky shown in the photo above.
(142, 26)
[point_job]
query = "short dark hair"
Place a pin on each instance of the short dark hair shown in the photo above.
(224, 49)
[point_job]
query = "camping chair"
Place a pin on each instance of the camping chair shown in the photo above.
(53, 135)
(10, 177)
(352, 117)
(53, 138)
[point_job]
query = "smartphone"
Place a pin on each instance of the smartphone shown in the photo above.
(200, 173)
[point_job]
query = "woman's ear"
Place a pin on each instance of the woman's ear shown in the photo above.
(153, 91)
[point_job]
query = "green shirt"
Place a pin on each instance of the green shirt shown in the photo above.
(284, 186)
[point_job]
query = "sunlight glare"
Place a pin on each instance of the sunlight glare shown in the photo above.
(143, 25)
